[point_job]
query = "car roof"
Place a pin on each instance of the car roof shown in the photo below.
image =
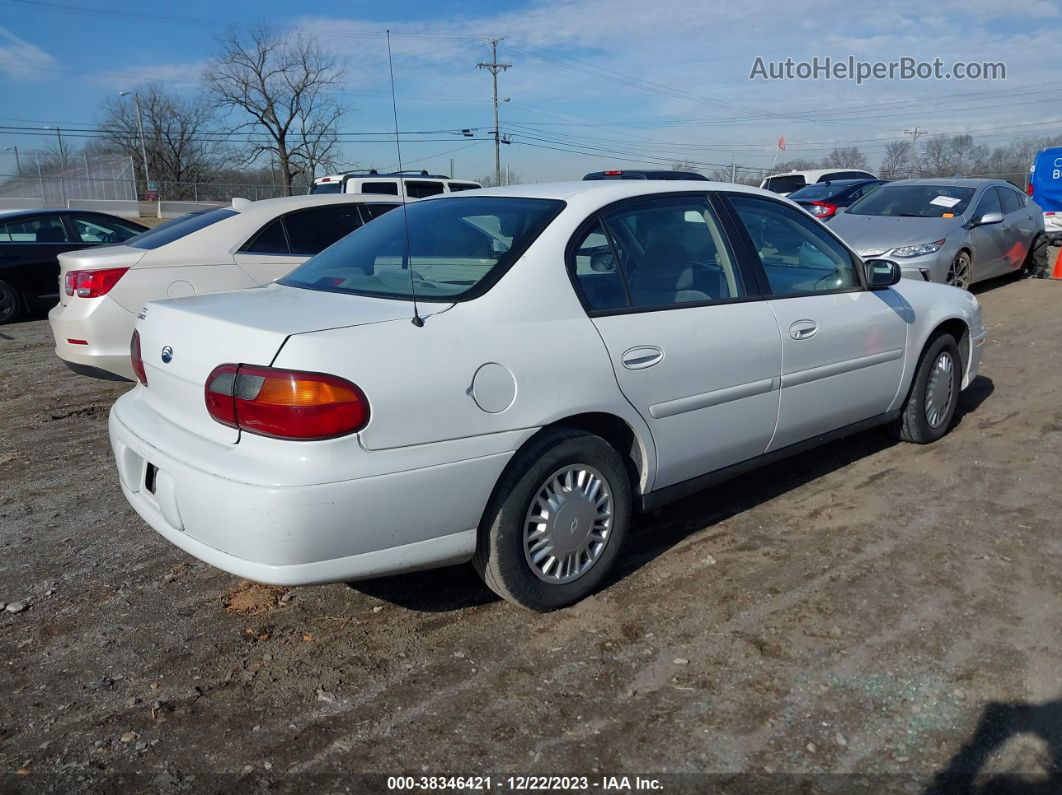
(607, 190)
(952, 182)
(286, 204)
(7, 215)
(815, 173)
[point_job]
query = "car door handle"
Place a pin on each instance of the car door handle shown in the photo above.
(803, 329)
(641, 357)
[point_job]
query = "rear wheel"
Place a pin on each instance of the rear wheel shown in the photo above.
(930, 407)
(10, 303)
(556, 522)
(960, 272)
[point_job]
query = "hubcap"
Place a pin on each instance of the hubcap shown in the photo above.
(568, 524)
(939, 390)
(959, 272)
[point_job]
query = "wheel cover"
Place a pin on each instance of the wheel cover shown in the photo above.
(959, 272)
(940, 390)
(7, 304)
(569, 524)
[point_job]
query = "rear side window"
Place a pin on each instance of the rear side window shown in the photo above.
(388, 188)
(798, 255)
(178, 228)
(785, 184)
(312, 231)
(270, 240)
(419, 190)
(1012, 200)
(48, 229)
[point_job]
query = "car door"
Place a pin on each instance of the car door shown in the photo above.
(694, 348)
(842, 345)
(990, 241)
(286, 242)
(29, 251)
(1019, 229)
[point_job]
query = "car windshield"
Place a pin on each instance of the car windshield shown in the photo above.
(454, 244)
(915, 201)
(178, 228)
(823, 190)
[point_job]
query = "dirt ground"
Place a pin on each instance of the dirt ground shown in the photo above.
(869, 614)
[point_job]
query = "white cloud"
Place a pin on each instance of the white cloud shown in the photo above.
(180, 75)
(21, 60)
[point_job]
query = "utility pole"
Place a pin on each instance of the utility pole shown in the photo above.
(62, 152)
(140, 125)
(18, 163)
(494, 68)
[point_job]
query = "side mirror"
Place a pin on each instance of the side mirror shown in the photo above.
(990, 218)
(882, 273)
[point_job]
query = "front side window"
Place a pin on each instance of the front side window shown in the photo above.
(48, 229)
(1012, 200)
(988, 203)
(178, 228)
(915, 201)
(451, 246)
(420, 190)
(312, 231)
(96, 229)
(798, 255)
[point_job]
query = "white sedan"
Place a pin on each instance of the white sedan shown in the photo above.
(249, 244)
(575, 352)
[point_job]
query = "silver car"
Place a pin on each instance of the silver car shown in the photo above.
(953, 231)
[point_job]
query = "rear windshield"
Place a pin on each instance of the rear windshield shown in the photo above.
(914, 201)
(822, 190)
(178, 228)
(785, 184)
(454, 244)
(326, 187)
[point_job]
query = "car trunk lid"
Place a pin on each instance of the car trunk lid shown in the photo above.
(94, 259)
(198, 333)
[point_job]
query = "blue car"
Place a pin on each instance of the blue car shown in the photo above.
(1045, 188)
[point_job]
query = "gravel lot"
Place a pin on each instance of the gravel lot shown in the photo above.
(868, 608)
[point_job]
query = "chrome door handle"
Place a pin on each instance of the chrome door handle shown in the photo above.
(641, 357)
(803, 329)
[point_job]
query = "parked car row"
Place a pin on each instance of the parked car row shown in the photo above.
(506, 375)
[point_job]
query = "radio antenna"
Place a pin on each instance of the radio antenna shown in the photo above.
(418, 321)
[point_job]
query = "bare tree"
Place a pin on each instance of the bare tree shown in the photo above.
(897, 162)
(845, 157)
(684, 165)
(179, 145)
(281, 90)
(488, 181)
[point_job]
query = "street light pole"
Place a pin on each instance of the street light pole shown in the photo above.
(59, 138)
(140, 125)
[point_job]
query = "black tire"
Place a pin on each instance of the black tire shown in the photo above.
(915, 424)
(500, 557)
(10, 303)
(1036, 260)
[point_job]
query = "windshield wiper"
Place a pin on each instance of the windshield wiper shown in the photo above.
(916, 215)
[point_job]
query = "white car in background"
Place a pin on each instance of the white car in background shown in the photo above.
(789, 181)
(575, 352)
(411, 184)
(249, 244)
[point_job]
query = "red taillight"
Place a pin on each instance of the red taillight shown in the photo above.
(286, 404)
(611, 173)
(136, 359)
(822, 209)
(92, 284)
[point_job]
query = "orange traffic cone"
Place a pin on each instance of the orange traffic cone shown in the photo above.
(1056, 272)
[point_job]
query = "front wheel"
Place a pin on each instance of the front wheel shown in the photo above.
(960, 272)
(10, 303)
(556, 522)
(930, 407)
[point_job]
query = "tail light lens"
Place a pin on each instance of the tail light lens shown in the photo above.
(285, 404)
(822, 209)
(136, 359)
(92, 284)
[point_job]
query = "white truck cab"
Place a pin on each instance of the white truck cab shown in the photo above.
(411, 184)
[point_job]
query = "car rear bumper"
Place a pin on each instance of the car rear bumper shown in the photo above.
(103, 328)
(300, 534)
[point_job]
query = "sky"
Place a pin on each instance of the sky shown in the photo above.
(594, 84)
